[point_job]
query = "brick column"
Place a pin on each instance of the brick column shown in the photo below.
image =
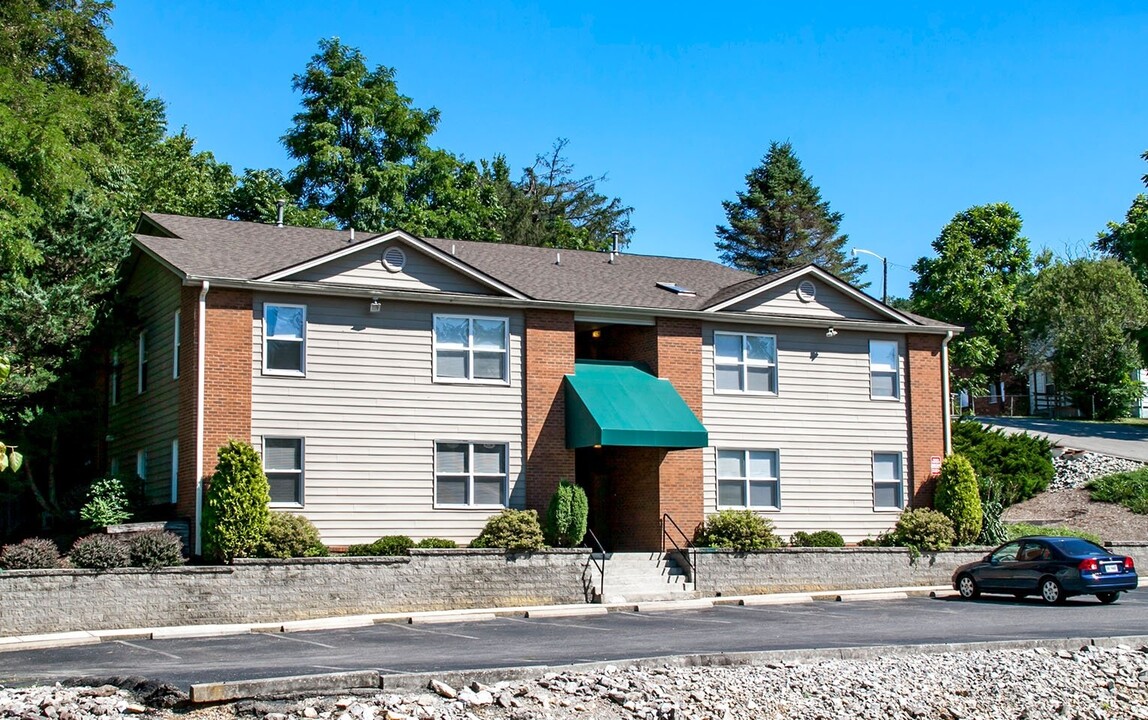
(549, 351)
(924, 405)
(679, 360)
(227, 383)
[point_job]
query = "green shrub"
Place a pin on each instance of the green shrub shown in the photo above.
(959, 498)
(31, 554)
(1021, 464)
(821, 538)
(516, 530)
(1021, 529)
(740, 530)
(1129, 489)
(107, 503)
(291, 536)
(154, 550)
(235, 513)
(923, 529)
(99, 552)
(433, 542)
(566, 517)
(387, 545)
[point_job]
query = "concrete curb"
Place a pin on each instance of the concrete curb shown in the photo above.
(82, 637)
(333, 683)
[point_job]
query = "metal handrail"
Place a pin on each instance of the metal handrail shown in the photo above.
(691, 549)
(600, 565)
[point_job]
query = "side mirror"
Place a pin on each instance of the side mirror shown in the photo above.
(991, 560)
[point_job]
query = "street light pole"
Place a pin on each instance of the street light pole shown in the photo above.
(884, 272)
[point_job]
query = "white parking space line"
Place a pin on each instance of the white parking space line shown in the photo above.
(432, 632)
(671, 615)
(279, 636)
(559, 624)
(147, 649)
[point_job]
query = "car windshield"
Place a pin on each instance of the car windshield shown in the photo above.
(1076, 547)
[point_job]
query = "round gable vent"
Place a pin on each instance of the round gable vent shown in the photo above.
(807, 291)
(394, 259)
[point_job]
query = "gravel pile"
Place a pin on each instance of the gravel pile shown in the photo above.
(1089, 684)
(1076, 469)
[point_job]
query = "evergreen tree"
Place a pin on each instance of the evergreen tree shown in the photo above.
(780, 222)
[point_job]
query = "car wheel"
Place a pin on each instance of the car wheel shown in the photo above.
(1107, 597)
(967, 587)
(1051, 592)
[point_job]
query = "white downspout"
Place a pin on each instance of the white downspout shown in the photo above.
(200, 375)
(945, 407)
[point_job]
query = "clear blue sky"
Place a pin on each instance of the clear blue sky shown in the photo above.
(904, 114)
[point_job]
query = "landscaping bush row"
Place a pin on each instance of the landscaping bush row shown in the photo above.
(98, 551)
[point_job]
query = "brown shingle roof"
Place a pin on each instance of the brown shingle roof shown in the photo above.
(205, 247)
(227, 249)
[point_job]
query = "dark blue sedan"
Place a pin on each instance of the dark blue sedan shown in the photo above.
(1053, 567)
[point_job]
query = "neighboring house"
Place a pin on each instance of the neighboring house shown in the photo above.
(396, 384)
(1043, 398)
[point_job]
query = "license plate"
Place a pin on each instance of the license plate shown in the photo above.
(1111, 567)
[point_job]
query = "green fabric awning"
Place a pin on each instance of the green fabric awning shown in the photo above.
(621, 403)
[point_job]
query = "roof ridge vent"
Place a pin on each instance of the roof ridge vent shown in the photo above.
(676, 289)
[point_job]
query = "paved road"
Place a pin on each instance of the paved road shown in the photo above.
(510, 642)
(1127, 441)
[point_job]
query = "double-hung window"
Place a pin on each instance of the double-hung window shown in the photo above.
(745, 363)
(283, 465)
(284, 339)
(887, 486)
(471, 474)
(114, 379)
(748, 479)
(471, 349)
(884, 378)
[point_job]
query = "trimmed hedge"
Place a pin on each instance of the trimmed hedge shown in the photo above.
(740, 530)
(821, 538)
(958, 498)
(567, 515)
(235, 513)
(99, 552)
(31, 554)
(515, 530)
(386, 546)
(291, 536)
(153, 550)
(923, 529)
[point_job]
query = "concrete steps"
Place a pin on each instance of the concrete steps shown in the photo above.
(643, 577)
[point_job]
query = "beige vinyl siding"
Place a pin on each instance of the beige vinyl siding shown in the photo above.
(823, 424)
(828, 303)
(370, 415)
(149, 421)
(365, 268)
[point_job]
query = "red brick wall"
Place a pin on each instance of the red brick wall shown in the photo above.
(549, 351)
(925, 407)
(679, 360)
(227, 382)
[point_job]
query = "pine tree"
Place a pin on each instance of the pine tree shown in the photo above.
(780, 222)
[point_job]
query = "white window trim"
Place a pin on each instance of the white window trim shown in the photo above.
(896, 396)
(874, 480)
(174, 471)
(175, 341)
(141, 363)
(300, 485)
(745, 451)
(470, 475)
(141, 465)
(745, 362)
(505, 381)
(302, 371)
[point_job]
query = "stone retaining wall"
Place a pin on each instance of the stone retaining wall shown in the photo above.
(725, 572)
(41, 601)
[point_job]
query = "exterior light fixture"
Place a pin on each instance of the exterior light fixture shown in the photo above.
(595, 334)
(831, 332)
(376, 306)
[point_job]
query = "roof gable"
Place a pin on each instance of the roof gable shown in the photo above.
(805, 292)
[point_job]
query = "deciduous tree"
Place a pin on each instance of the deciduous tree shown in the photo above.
(780, 221)
(1082, 320)
(976, 280)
